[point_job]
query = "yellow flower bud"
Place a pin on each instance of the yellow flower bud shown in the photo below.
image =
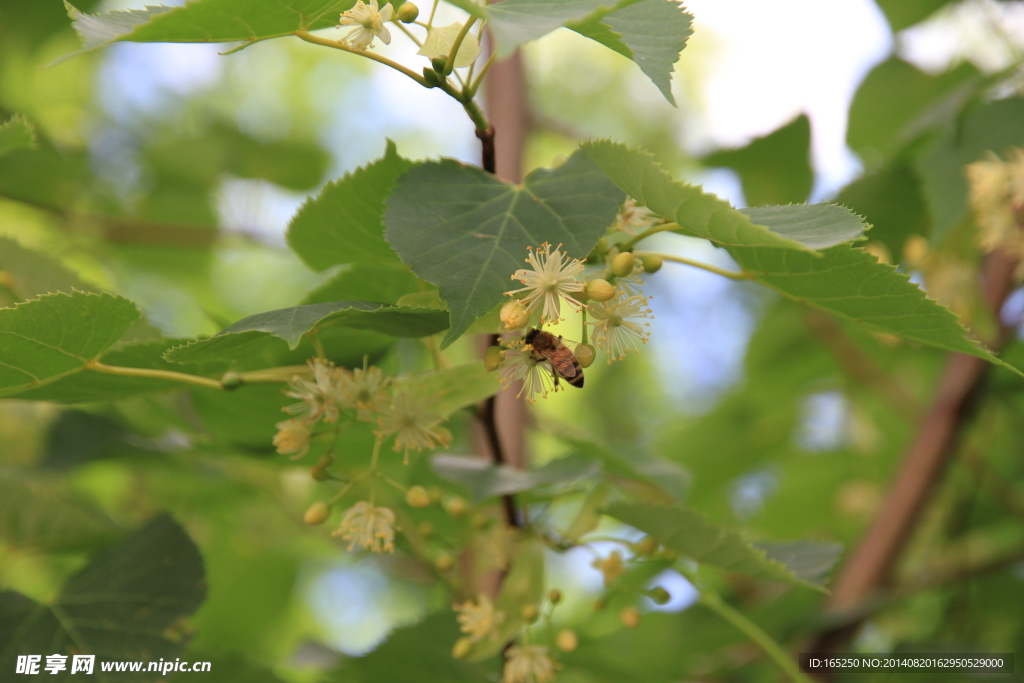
(600, 290)
(456, 506)
(514, 315)
(325, 461)
(417, 497)
(652, 262)
(567, 641)
(555, 596)
(647, 545)
(316, 514)
(529, 613)
(319, 473)
(462, 645)
(623, 263)
(444, 563)
(493, 357)
(629, 617)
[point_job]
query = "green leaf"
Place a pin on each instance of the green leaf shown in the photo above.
(253, 334)
(897, 101)
(851, 284)
(15, 133)
(485, 480)
(57, 335)
(117, 607)
(802, 227)
(589, 516)
(467, 232)
(662, 480)
(40, 512)
(688, 533)
(459, 387)
(206, 21)
(652, 33)
(342, 224)
(808, 560)
(32, 273)
(775, 169)
(376, 282)
(441, 40)
(904, 13)
(818, 226)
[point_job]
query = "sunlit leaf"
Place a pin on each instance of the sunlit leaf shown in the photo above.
(56, 335)
(467, 232)
(16, 132)
(342, 224)
(441, 39)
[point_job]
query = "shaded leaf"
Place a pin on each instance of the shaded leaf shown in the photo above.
(31, 273)
(688, 533)
(117, 607)
(342, 224)
(40, 512)
(485, 480)
(440, 40)
(652, 33)
(56, 335)
(904, 13)
(891, 200)
(774, 169)
(467, 232)
(15, 133)
(290, 324)
(459, 387)
(374, 282)
(808, 560)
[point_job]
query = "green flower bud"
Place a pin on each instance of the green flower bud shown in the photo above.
(555, 596)
(596, 254)
(652, 262)
(417, 497)
(647, 545)
(325, 460)
(600, 290)
(444, 563)
(660, 596)
(430, 76)
(629, 617)
(456, 506)
(529, 613)
(316, 514)
(439, 63)
(567, 640)
(230, 381)
(462, 648)
(319, 473)
(408, 13)
(585, 354)
(623, 263)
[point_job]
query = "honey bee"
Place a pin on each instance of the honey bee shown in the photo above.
(559, 352)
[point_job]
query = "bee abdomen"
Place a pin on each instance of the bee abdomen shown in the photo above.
(576, 381)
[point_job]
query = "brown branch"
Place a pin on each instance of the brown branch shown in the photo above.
(870, 565)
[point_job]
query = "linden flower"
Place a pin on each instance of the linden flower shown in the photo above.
(478, 619)
(368, 527)
(612, 567)
(364, 389)
(997, 198)
(633, 218)
(528, 664)
(292, 438)
(520, 364)
(370, 19)
(413, 422)
(616, 329)
(552, 279)
(319, 398)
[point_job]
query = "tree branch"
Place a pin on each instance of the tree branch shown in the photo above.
(870, 565)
